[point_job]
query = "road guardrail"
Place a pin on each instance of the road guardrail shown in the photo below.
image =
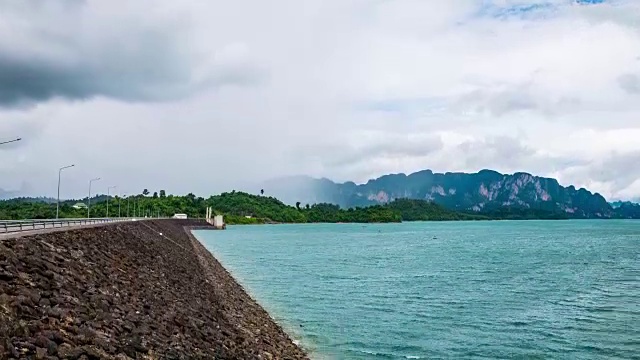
(14, 226)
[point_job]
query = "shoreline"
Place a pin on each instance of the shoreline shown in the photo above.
(417, 221)
(276, 315)
(211, 263)
(126, 291)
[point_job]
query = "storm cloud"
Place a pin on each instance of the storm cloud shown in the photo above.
(77, 50)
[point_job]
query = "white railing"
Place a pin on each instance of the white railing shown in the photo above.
(14, 226)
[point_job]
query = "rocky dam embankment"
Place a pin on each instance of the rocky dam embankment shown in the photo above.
(124, 291)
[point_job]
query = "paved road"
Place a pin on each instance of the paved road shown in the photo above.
(13, 229)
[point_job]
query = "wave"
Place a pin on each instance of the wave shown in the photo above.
(383, 355)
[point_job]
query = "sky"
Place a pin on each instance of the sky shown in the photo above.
(204, 97)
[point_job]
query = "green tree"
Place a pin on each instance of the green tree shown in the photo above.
(145, 192)
(163, 194)
(242, 208)
(155, 195)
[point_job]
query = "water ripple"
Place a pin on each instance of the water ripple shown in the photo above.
(534, 290)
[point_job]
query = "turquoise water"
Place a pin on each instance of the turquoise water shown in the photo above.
(473, 290)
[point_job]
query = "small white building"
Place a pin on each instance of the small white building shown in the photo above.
(79, 206)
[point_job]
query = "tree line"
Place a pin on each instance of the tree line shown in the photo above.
(245, 208)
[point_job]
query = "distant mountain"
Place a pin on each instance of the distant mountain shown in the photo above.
(49, 200)
(25, 188)
(20, 199)
(4, 194)
(627, 210)
(297, 188)
(619, 203)
(484, 192)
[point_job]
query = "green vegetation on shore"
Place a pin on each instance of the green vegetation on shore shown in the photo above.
(421, 210)
(244, 208)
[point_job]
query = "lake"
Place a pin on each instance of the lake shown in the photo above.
(439, 290)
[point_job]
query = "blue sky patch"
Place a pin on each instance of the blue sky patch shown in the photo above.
(539, 10)
(529, 11)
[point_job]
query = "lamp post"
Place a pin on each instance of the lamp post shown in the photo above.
(108, 192)
(127, 204)
(89, 198)
(10, 141)
(119, 204)
(58, 202)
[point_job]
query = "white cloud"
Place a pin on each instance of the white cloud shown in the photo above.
(206, 96)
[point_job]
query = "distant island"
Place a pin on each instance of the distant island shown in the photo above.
(487, 192)
(421, 196)
(245, 208)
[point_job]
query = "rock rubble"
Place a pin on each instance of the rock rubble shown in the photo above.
(124, 291)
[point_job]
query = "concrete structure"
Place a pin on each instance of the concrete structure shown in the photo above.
(217, 221)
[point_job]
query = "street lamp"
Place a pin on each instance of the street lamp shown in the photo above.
(125, 194)
(109, 189)
(58, 202)
(10, 141)
(89, 198)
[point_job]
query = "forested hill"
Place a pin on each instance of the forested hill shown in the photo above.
(238, 208)
(486, 192)
(244, 208)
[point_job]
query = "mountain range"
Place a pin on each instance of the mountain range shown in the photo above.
(482, 192)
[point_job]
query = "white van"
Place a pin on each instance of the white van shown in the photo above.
(180, 216)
